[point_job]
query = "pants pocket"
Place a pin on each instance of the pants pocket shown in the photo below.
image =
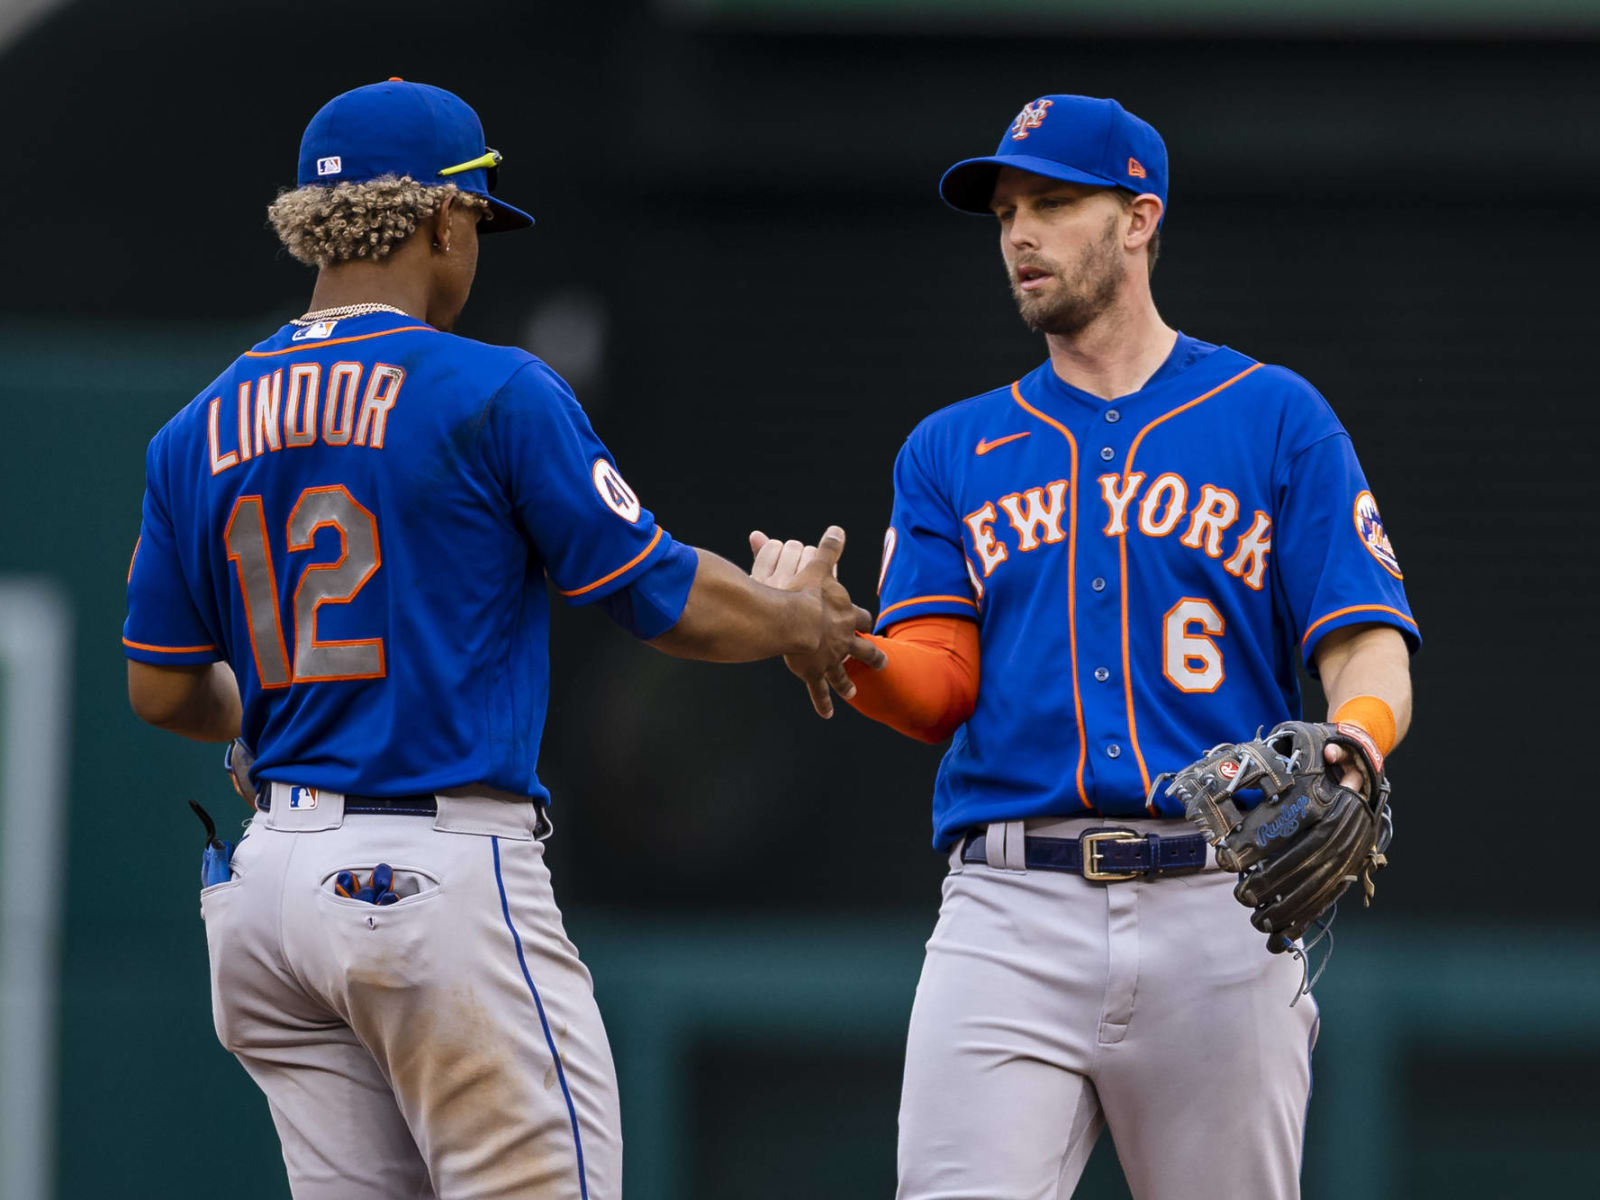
(411, 884)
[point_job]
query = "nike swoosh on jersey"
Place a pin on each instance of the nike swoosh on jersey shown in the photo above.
(984, 445)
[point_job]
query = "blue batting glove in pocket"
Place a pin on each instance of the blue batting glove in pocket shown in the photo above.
(217, 857)
(378, 889)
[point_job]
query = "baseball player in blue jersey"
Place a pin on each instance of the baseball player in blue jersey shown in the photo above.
(1091, 575)
(342, 559)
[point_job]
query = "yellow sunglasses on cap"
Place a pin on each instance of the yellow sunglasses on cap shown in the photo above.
(489, 161)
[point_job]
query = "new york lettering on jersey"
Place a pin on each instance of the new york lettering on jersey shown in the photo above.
(372, 506)
(1125, 574)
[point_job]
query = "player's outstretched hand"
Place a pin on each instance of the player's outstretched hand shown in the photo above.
(795, 566)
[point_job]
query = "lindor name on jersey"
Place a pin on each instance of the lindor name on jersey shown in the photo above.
(348, 404)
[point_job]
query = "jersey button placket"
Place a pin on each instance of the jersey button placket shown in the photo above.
(1103, 723)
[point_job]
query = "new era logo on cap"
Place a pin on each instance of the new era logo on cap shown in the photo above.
(1134, 169)
(329, 166)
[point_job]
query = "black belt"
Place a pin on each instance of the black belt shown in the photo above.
(421, 804)
(1105, 855)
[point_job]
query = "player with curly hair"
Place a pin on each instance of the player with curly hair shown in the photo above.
(343, 561)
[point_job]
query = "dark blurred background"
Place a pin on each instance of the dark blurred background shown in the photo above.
(742, 266)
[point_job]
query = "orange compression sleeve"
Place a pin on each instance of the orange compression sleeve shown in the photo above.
(930, 684)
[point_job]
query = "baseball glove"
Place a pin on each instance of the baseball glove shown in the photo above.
(1308, 839)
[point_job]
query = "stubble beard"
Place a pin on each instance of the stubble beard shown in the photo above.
(1079, 297)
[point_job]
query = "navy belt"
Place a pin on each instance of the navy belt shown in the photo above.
(1105, 855)
(421, 804)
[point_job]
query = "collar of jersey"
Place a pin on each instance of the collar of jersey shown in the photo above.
(366, 323)
(1188, 354)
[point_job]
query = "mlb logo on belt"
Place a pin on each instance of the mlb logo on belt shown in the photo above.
(302, 797)
(1031, 117)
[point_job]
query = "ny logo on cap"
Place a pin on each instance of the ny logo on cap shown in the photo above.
(329, 166)
(1031, 117)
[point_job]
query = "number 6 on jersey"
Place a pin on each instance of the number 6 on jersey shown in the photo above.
(336, 582)
(1190, 660)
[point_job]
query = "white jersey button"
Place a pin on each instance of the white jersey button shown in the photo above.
(1113, 751)
(1101, 674)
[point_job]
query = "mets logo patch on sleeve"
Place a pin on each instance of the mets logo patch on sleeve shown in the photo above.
(619, 497)
(1369, 527)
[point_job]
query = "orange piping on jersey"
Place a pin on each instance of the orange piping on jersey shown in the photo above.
(927, 600)
(167, 649)
(1072, 586)
(134, 557)
(622, 570)
(1122, 560)
(360, 337)
(1321, 621)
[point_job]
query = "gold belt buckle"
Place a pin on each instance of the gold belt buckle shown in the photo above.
(1091, 854)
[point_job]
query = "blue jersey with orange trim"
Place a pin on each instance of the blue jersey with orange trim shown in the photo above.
(359, 516)
(1146, 574)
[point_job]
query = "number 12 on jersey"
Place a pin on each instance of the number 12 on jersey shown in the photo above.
(337, 582)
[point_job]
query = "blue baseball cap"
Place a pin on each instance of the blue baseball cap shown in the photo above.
(400, 128)
(1079, 139)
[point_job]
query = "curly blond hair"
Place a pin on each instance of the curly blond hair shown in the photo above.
(321, 226)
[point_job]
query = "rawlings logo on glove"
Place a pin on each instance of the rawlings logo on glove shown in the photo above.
(1284, 823)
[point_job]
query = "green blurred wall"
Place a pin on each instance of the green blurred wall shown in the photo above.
(150, 1105)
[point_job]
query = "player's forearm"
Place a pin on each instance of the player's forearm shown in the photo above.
(1368, 661)
(731, 618)
(201, 703)
(928, 686)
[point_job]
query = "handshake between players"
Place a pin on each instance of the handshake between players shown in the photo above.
(801, 612)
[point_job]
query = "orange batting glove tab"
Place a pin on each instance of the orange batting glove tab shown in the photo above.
(929, 685)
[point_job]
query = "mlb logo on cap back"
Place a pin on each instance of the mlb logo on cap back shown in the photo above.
(1077, 139)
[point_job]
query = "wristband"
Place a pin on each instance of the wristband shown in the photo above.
(1372, 715)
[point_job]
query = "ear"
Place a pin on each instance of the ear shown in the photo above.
(441, 224)
(1144, 215)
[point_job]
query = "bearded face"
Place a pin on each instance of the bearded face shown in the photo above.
(1063, 297)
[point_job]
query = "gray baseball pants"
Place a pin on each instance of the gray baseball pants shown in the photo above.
(447, 1045)
(1050, 1007)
